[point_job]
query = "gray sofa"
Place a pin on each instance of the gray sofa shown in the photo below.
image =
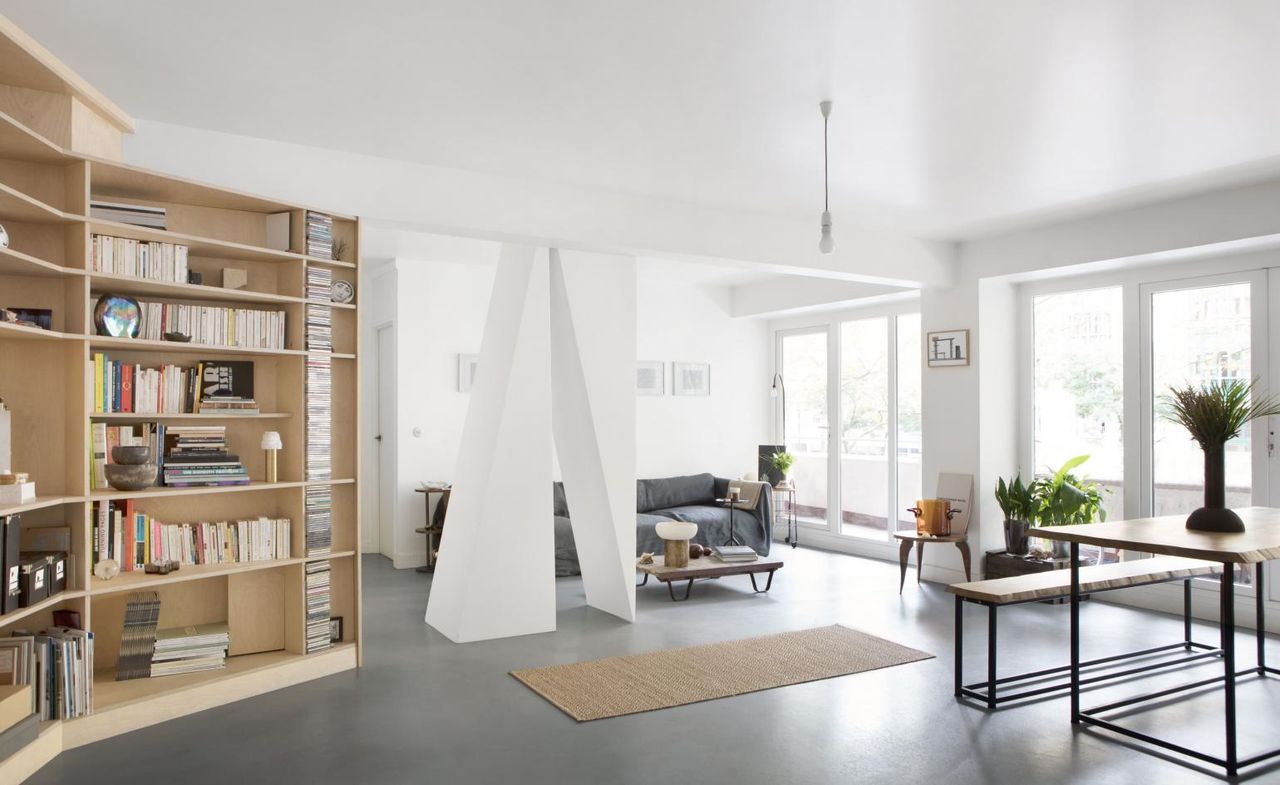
(690, 498)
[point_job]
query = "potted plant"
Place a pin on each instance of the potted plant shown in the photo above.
(1214, 414)
(781, 463)
(1065, 499)
(1019, 506)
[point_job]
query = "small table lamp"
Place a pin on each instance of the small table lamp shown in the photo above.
(272, 444)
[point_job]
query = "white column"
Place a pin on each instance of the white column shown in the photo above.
(496, 573)
(593, 365)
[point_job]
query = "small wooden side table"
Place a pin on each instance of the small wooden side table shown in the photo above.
(433, 532)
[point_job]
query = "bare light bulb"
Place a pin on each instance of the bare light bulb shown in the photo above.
(827, 244)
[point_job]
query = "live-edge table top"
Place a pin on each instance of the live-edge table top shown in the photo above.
(1168, 535)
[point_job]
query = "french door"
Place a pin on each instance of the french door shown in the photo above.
(852, 420)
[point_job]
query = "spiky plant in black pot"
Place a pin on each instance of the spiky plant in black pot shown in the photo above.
(1214, 413)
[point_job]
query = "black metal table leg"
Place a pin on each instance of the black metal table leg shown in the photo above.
(688, 588)
(1229, 661)
(1261, 629)
(1186, 613)
(959, 645)
(1075, 632)
(644, 582)
(768, 584)
(991, 657)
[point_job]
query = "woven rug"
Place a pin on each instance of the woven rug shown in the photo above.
(614, 686)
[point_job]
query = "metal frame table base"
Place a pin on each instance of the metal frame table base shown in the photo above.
(990, 693)
(689, 585)
(1232, 762)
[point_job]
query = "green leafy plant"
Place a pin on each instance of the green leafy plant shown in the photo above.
(782, 461)
(1064, 498)
(1215, 412)
(1016, 499)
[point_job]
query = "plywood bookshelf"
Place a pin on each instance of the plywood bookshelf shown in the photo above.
(47, 177)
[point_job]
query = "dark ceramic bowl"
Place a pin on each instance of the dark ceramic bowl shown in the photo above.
(131, 456)
(124, 477)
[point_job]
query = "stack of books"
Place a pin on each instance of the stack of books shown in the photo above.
(214, 325)
(734, 554)
(319, 235)
(319, 416)
(132, 538)
(197, 455)
(202, 647)
(226, 387)
(317, 588)
(58, 664)
(319, 328)
(320, 284)
(134, 214)
(138, 639)
(319, 510)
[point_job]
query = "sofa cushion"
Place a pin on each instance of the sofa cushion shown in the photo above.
(668, 492)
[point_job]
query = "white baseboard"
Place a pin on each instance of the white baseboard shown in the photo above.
(882, 551)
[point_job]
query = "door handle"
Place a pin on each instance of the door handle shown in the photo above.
(378, 438)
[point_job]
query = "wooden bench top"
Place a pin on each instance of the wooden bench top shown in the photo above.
(1103, 577)
(707, 567)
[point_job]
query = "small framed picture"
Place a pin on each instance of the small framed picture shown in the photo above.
(651, 378)
(690, 378)
(947, 347)
(467, 364)
(335, 629)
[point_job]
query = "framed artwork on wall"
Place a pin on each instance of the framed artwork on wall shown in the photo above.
(947, 347)
(690, 378)
(651, 377)
(467, 371)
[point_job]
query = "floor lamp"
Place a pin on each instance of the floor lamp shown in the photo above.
(780, 388)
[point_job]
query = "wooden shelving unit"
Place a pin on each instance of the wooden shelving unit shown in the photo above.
(46, 181)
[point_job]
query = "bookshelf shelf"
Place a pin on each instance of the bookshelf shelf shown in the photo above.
(22, 613)
(40, 503)
(107, 343)
(17, 206)
(19, 142)
(200, 246)
(133, 581)
(139, 417)
(160, 491)
(17, 263)
(128, 284)
(22, 332)
(47, 184)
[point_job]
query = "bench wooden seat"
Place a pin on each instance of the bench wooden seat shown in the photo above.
(998, 592)
(1054, 584)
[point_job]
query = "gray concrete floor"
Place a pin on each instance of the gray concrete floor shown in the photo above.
(423, 710)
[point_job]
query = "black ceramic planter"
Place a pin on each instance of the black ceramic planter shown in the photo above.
(1015, 537)
(1214, 515)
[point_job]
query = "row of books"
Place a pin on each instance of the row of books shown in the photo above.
(190, 649)
(58, 664)
(316, 579)
(132, 538)
(210, 386)
(138, 258)
(318, 502)
(214, 325)
(319, 404)
(197, 455)
(319, 235)
(151, 216)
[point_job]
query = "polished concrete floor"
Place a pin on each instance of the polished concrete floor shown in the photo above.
(423, 710)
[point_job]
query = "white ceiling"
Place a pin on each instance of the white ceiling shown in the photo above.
(950, 117)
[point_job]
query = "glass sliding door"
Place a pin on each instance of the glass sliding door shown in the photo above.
(865, 460)
(909, 471)
(802, 360)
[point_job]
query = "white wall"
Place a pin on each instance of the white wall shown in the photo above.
(440, 303)
(377, 286)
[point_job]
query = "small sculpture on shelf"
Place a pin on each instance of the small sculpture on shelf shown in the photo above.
(132, 469)
(106, 569)
(118, 316)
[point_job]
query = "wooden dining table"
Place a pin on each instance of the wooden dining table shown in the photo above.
(1168, 535)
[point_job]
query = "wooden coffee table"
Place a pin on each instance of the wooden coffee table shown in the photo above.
(708, 567)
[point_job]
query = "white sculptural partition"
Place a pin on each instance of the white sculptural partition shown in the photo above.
(593, 394)
(558, 355)
(496, 573)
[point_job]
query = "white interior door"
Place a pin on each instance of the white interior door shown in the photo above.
(385, 437)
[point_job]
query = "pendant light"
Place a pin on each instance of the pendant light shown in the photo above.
(826, 244)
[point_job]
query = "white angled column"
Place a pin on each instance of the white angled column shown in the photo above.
(496, 573)
(593, 378)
